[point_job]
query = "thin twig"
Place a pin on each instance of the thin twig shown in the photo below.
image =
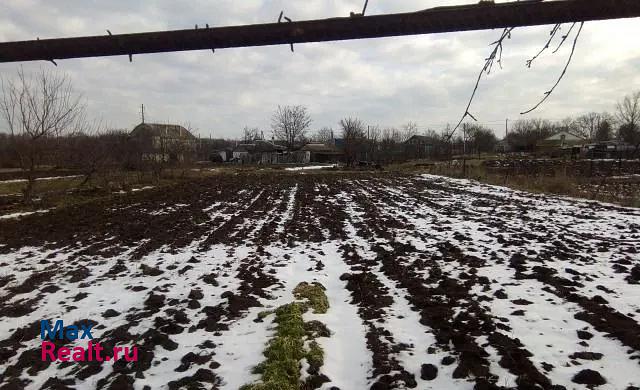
(553, 33)
(364, 9)
(564, 38)
(564, 71)
(495, 56)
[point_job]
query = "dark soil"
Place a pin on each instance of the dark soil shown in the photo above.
(437, 269)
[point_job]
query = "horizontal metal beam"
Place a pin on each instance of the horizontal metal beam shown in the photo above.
(435, 20)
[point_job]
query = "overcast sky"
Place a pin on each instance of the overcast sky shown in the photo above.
(390, 81)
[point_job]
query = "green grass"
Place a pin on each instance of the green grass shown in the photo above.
(264, 314)
(281, 369)
(316, 329)
(315, 356)
(284, 352)
(314, 294)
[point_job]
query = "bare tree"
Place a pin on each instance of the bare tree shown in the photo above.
(409, 130)
(392, 134)
(123, 154)
(628, 116)
(568, 124)
(37, 109)
(389, 139)
(353, 133)
(628, 110)
(324, 135)
(441, 145)
(604, 131)
(7, 158)
(589, 124)
(86, 149)
(374, 134)
(103, 156)
(525, 133)
(480, 139)
(250, 134)
(290, 123)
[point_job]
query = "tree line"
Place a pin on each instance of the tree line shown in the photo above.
(622, 125)
(48, 124)
(292, 124)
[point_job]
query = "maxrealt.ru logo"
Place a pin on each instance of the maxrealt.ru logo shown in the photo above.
(93, 351)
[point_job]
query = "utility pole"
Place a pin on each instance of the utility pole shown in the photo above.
(506, 128)
(367, 152)
(142, 113)
(464, 150)
(464, 139)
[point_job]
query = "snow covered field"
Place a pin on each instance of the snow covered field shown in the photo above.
(432, 283)
(40, 179)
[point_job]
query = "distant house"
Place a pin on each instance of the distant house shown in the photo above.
(502, 146)
(562, 142)
(260, 152)
(563, 139)
(226, 154)
(270, 153)
(242, 151)
(164, 142)
(320, 153)
(607, 149)
(219, 156)
(418, 146)
(214, 150)
(418, 140)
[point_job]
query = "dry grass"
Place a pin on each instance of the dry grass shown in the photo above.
(560, 183)
(40, 186)
(67, 191)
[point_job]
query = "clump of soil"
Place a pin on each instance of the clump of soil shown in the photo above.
(428, 372)
(589, 378)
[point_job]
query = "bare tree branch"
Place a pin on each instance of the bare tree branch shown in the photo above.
(564, 71)
(495, 56)
(553, 33)
(564, 38)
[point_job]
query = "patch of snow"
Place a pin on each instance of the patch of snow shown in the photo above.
(39, 179)
(22, 214)
(310, 167)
